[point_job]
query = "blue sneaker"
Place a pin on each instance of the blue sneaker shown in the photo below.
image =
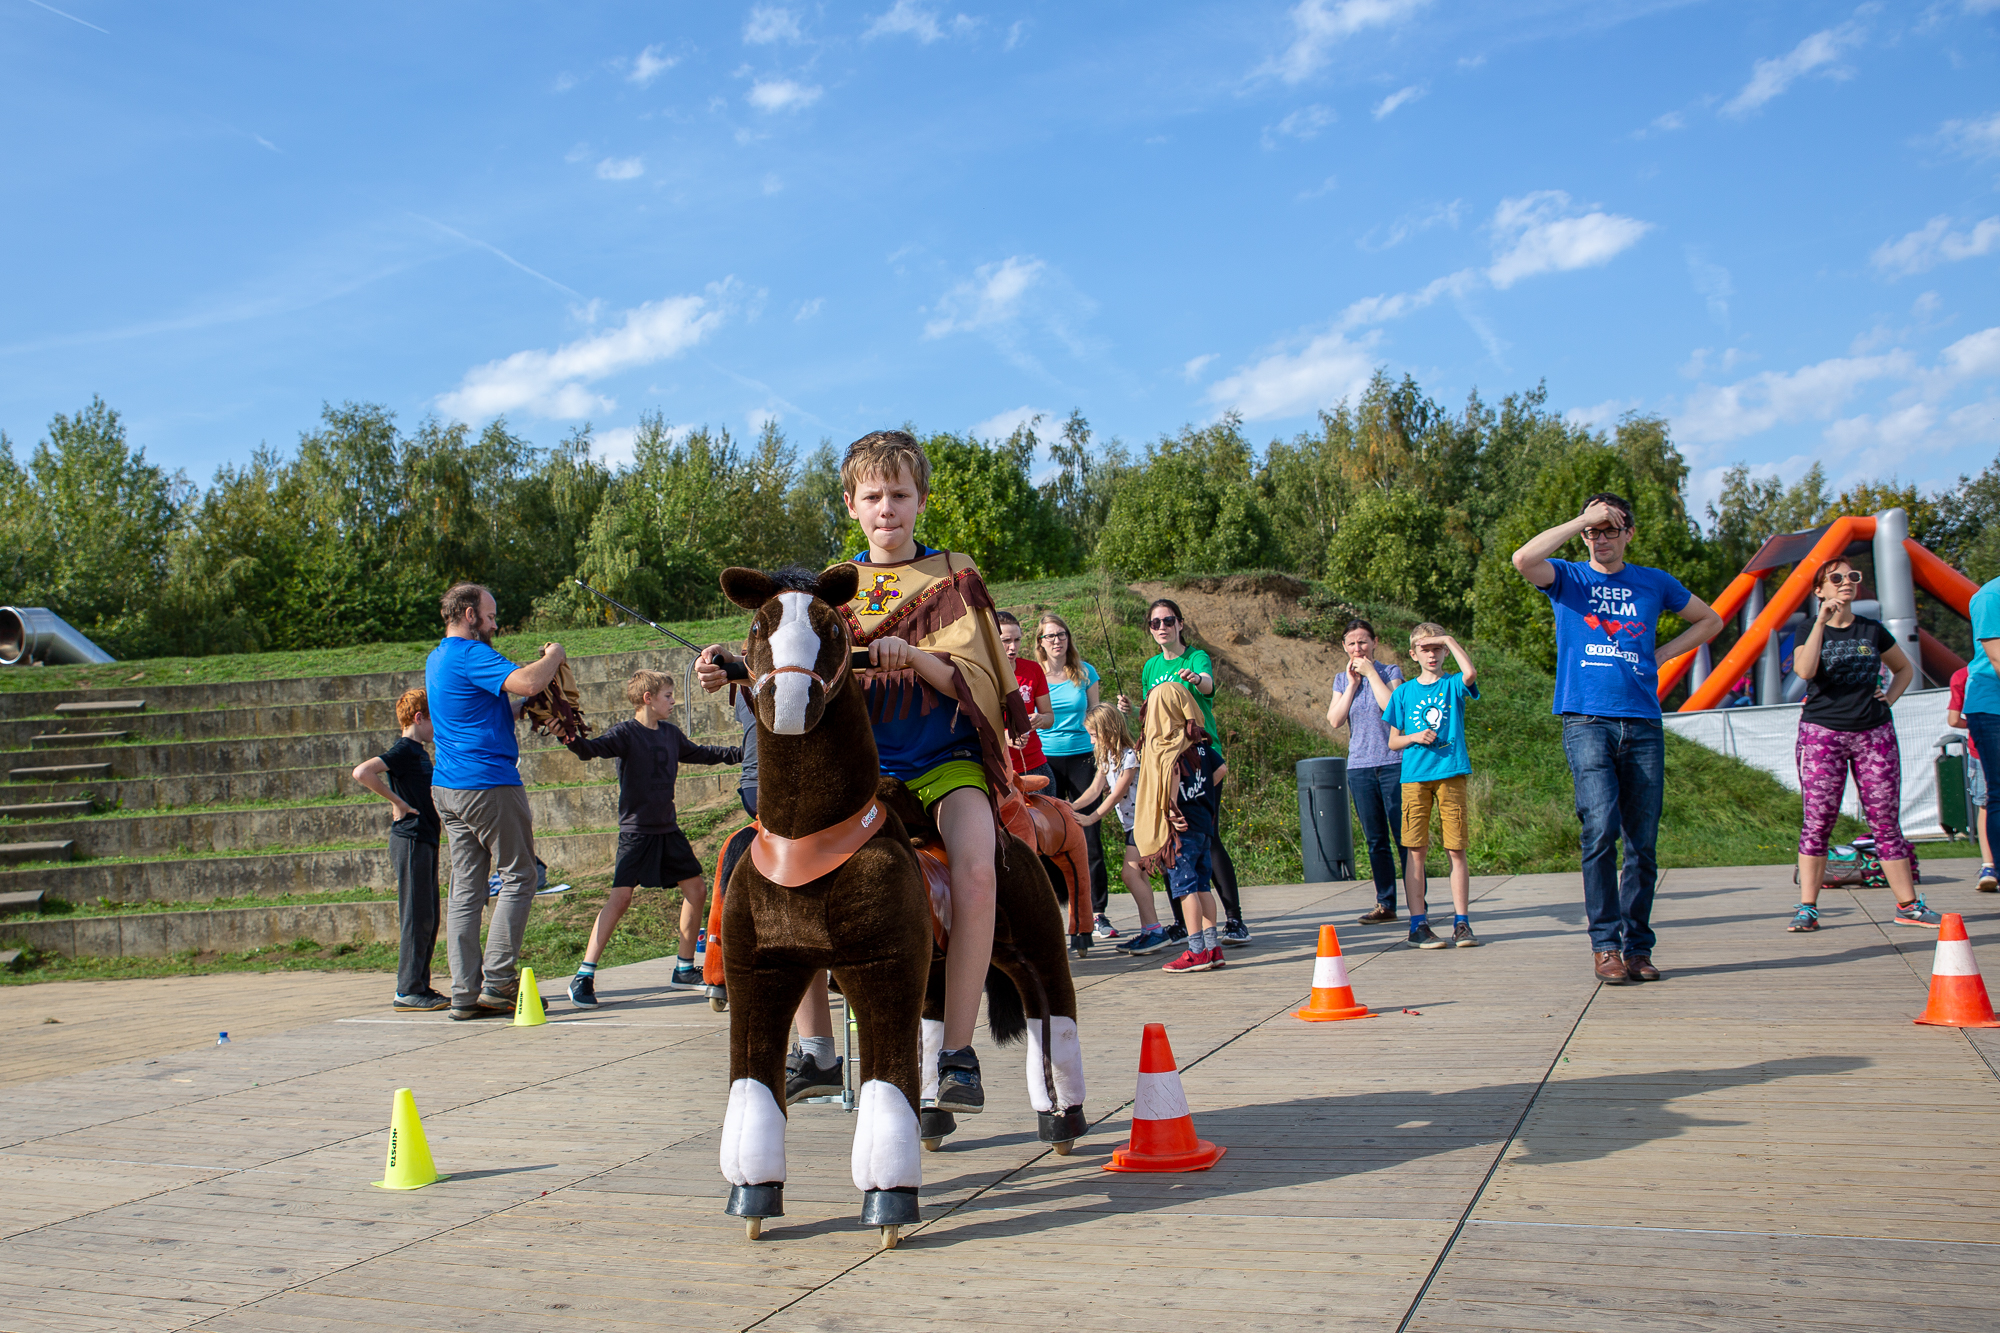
(1150, 939)
(959, 1089)
(583, 991)
(1988, 881)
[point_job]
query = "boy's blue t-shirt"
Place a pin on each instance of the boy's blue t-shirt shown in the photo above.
(1605, 637)
(1982, 685)
(472, 722)
(1415, 707)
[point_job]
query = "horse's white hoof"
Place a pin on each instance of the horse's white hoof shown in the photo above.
(1063, 1148)
(891, 1236)
(753, 1227)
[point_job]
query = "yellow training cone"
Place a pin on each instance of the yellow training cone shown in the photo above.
(409, 1166)
(528, 1010)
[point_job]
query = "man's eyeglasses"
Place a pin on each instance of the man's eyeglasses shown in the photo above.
(1164, 622)
(1602, 534)
(1851, 576)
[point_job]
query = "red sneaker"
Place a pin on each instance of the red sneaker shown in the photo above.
(1216, 962)
(1190, 961)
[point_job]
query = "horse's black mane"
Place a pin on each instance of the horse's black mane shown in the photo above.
(795, 578)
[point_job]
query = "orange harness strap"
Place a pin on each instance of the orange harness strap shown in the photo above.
(794, 862)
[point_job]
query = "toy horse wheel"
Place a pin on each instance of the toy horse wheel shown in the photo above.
(753, 1227)
(891, 1236)
(933, 1144)
(718, 1004)
(1063, 1148)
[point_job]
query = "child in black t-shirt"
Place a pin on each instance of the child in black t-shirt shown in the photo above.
(401, 775)
(1197, 821)
(652, 850)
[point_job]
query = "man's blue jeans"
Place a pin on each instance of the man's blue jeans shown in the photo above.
(1985, 730)
(1619, 766)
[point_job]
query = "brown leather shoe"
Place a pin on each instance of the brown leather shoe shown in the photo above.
(1378, 914)
(1639, 967)
(1610, 968)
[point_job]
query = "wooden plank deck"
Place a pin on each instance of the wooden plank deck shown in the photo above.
(1763, 1139)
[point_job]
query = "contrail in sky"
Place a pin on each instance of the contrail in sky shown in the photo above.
(71, 17)
(495, 250)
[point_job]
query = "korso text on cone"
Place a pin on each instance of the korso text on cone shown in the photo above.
(1958, 995)
(528, 1011)
(1163, 1137)
(1332, 996)
(409, 1166)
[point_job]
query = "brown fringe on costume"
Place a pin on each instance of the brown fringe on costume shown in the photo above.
(555, 711)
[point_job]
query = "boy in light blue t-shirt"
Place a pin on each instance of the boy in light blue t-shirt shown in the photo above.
(1426, 719)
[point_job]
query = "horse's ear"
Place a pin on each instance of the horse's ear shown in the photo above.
(748, 588)
(838, 584)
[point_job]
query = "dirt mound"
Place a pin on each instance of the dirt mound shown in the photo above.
(1233, 618)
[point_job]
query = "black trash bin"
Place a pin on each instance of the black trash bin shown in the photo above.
(1326, 825)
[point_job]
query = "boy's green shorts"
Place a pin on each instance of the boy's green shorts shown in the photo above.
(936, 784)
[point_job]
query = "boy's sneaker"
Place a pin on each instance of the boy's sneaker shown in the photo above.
(1190, 961)
(1234, 934)
(1462, 936)
(1176, 933)
(1988, 881)
(807, 1077)
(583, 990)
(1216, 962)
(686, 975)
(1423, 937)
(429, 1000)
(1805, 919)
(1150, 940)
(959, 1090)
(481, 1010)
(1104, 930)
(1378, 915)
(1914, 913)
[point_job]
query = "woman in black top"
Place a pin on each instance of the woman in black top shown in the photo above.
(1846, 725)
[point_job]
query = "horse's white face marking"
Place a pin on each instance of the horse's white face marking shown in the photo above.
(753, 1135)
(794, 643)
(886, 1152)
(1066, 1058)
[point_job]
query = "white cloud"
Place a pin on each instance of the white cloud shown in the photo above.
(1304, 123)
(760, 417)
(552, 383)
(650, 64)
(621, 168)
(1717, 413)
(1936, 243)
(1323, 372)
(773, 184)
(1192, 368)
(909, 18)
(1977, 355)
(1974, 138)
(1317, 25)
(1668, 122)
(782, 95)
(1003, 424)
(1537, 235)
(1601, 416)
(614, 446)
(1712, 283)
(1411, 224)
(992, 296)
(1382, 309)
(769, 23)
(808, 309)
(564, 82)
(1401, 97)
(1769, 78)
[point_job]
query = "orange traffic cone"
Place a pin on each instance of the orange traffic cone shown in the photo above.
(1958, 996)
(1332, 997)
(1163, 1136)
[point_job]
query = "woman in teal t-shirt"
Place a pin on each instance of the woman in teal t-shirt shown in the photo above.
(1073, 691)
(1192, 667)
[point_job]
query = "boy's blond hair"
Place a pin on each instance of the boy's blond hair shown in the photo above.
(1430, 629)
(412, 705)
(880, 455)
(644, 683)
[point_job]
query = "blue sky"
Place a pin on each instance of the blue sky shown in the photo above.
(1778, 224)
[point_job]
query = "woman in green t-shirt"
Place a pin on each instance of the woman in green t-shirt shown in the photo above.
(1191, 666)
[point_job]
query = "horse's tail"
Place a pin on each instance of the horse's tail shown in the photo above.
(1006, 1016)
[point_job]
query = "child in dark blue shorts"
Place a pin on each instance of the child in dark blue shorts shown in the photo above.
(1200, 814)
(652, 850)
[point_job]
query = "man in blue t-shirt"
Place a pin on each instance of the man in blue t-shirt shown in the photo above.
(1607, 677)
(474, 695)
(1982, 681)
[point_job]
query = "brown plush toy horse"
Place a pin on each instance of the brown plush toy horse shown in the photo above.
(830, 882)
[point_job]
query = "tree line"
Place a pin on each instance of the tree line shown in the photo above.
(351, 537)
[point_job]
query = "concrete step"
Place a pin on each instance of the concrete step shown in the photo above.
(180, 831)
(47, 809)
(223, 930)
(611, 668)
(60, 772)
(104, 706)
(14, 853)
(10, 960)
(70, 740)
(21, 900)
(268, 875)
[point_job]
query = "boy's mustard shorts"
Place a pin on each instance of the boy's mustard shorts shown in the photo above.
(1448, 795)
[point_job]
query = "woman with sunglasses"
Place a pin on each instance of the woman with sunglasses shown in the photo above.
(1178, 661)
(1073, 691)
(1845, 725)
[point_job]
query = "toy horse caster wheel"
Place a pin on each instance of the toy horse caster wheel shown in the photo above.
(1081, 944)
(933, 1125)
(1060, 1130)
(891, 1210)
(718, 998)
(754, 1203)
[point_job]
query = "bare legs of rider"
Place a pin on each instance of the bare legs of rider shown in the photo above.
(965, 819)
